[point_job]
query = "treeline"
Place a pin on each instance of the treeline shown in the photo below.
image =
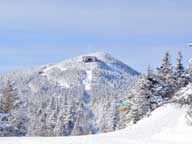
(158, 87)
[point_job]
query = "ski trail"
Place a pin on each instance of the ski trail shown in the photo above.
(87, 80)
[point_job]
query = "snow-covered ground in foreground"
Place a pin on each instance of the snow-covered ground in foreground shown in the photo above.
(166, 125)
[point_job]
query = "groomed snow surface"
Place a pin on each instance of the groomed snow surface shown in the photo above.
(166, 125)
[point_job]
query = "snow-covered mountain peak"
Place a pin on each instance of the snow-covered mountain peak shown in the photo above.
(87, 68)
(101, 55)
(98, 60)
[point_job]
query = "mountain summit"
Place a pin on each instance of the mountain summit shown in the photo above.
(74, 97)
(86, 68)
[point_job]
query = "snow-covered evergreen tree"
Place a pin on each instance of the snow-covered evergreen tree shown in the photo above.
(180, 74)
(8, 98)
(184, 98)
(165, 70)
(65, 121)
(179, 67)
(141, 102)
(165, 76)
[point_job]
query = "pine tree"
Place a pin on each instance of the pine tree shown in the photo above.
(64, 122)
(145, 96)
(8, 100)
(142, 101)
(105, 120)
(166, 78)
(114, 116)
(76, 116)
(180, 73)
(150, 72)
(52, 116)
(166, 69)
(179, 67)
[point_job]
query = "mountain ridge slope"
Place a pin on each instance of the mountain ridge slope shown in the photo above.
(88, 86)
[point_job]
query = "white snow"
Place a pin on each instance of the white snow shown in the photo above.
(113, 67)
(166, 125)
(87, 80)
(185, 92)
(61, 82)
(59, 66)
(64, 84)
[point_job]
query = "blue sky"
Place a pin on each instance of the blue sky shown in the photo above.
(37, 32)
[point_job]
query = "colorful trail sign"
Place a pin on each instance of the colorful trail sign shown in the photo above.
(123, 106)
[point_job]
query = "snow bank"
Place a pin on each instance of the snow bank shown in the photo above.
(166, 125)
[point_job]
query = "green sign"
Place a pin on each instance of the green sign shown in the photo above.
(123, 104)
